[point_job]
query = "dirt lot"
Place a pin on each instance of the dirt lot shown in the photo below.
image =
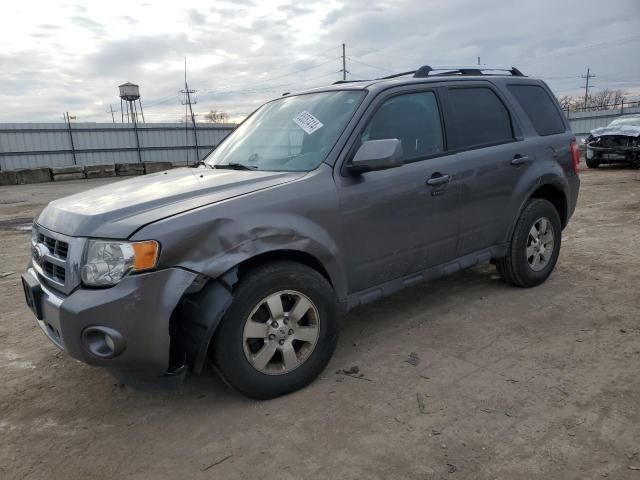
(509, 383)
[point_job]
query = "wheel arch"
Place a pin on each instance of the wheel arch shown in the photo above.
(556, 197)
(298, 256)
(199, 313)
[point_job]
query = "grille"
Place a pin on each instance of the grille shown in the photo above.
(57, 248)
(52, 262)
(55, 272)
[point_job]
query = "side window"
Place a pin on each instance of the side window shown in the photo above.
(478, 117)
(539, 107)
(414, 119)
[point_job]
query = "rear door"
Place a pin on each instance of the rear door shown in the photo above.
(489, 144)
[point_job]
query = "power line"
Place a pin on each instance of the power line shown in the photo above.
(371, 66)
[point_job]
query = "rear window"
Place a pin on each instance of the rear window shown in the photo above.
(478, 117)
(539, 107)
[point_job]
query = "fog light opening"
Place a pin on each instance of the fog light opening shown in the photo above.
(103, 342)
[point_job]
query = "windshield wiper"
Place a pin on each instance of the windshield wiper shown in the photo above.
(235, 166)
(201, 163)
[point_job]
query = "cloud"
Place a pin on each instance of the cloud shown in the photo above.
(195, 17)
(294, 10)
(88, 24)
(241, 53)
(129, 55)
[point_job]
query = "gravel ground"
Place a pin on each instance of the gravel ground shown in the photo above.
(463, 378)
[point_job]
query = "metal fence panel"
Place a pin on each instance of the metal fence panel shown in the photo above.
(28, 145)
(583, 122)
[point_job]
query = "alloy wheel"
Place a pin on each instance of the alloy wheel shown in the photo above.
(281, 332)
(540, 244)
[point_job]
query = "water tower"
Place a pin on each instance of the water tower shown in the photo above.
(129, 94)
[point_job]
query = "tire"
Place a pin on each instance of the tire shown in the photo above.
(241, 343)
(592, 163)
(518, 267)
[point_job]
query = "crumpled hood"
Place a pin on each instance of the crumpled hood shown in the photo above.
(119, 209)
(622, 130)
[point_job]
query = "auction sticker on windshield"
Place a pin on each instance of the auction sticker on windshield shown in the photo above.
(307, 122)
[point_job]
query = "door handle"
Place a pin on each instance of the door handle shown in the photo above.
(519, 159)
(438, 179)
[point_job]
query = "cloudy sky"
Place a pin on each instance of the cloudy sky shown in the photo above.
(70, 56)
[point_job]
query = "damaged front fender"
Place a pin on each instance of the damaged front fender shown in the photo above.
(196, 318)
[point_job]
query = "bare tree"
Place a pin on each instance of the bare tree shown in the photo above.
(217, 116)
(600, 100)
(566, 102)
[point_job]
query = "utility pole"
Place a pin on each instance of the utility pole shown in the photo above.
(113, 119)
(586, 87)
(344, 62)
(73, 148)
(188, 111)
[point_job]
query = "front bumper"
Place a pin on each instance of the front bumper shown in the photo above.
(621, 154)
(138, 309)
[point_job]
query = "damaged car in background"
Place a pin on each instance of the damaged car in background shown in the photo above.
(618, 142)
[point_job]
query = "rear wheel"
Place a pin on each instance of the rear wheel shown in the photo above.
(279, 332)
(535, 245)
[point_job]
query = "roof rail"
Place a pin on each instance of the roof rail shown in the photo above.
(427, 70)
(338, 82)
(395, 75)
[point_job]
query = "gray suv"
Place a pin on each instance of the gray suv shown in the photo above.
(317, 203)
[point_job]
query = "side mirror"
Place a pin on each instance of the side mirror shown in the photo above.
(377, 155)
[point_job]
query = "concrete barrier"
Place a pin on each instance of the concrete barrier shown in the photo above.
(33, 175)
(100, 171)
(181, 164)
(69, 176)
(8, 177)
(68, 173)
(78, 172)
(128, 169)
(153, 167)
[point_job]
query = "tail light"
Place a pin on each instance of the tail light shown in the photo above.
(575, 156)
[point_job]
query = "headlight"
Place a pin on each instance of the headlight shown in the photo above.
(107, 261)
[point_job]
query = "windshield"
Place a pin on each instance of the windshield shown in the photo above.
(289, 134)
(625, 121)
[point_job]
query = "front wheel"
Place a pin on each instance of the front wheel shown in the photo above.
(280, 331)
(535, 245)
(593, 163)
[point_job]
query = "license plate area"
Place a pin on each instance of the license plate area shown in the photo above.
(32, 294)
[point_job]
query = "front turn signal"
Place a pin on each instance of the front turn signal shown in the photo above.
(146, 255)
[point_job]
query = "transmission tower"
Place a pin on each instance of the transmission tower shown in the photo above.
(188, 113)
(344, 62)
(586, 87)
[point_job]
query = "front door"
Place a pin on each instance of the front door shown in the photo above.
(401, 220)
